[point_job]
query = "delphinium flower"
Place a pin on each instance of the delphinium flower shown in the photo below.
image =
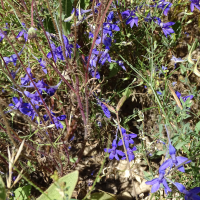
(130, 154)
(165, 6)
(167, 30)
(3, 33)
(114, 153)
(194, 3)
(108, 28)
(128, 138)
(54, 51)
(158, 181)
(25, 80)
(105, 109)
(23, 32)
(148, 18)
(104, 56)
(125, 14)
(185, 97)
(19, 105)
(55, 119)
(120, 63)
(13, 58)
(174, 160)
(43, 65)
(189, 195)
(133, 19)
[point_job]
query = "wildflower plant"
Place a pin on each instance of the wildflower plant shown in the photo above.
(63, 63)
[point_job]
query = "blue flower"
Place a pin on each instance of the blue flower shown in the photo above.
(148, 18)
(185, 97)
(13, 58)
(132, 20)
(157, 181)
(125, 14)
(43, 65)
(121, 64)
(24, 33)
(165, 6)
(159, 93)
(127, 138)
(92, 72)
(3, 33)
(110, 16)
(166, 28)
(189, 195)
(26, 79)
(54, 51)
(56, 119)
(130, 154)
(105, 110)
(104, 56)
(20, 105)
(194, 3)
(175, 160)
(114, 152)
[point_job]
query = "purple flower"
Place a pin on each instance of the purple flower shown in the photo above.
(128, 138)
(165, 6)
(132, 20)
(92, 72)
(54, 51)
(56, 119)
(3, 33)
(91, 35)
(125, 14)
(148, 18)
(157, 181)
(20, 105)
(166, 29)
(26, 79)
(177, 60)
(121, 64)
(175, 160)
(189, 195)
(13, 58)
(194, 3)
(185, 97)
(43, 65)
(130, 154)
(110, 16)
(105, 110)
(108, 28)
(104, 56)
(114, 152)
(24, 33)
(159, 93)
(105, 40)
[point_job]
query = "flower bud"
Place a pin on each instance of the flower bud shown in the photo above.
(32, 33)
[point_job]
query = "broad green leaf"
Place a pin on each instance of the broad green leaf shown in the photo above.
(22, 193)
(62, 188)
(2, 190)
(102, 196)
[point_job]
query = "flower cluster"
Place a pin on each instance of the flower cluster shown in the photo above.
(128, 139)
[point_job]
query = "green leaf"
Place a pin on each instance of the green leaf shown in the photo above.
(197, 127)
(114, 69)
(102, 196)
(147, 176)
(180, 144)
(62, 188)
(22, 193)
(2, 190)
